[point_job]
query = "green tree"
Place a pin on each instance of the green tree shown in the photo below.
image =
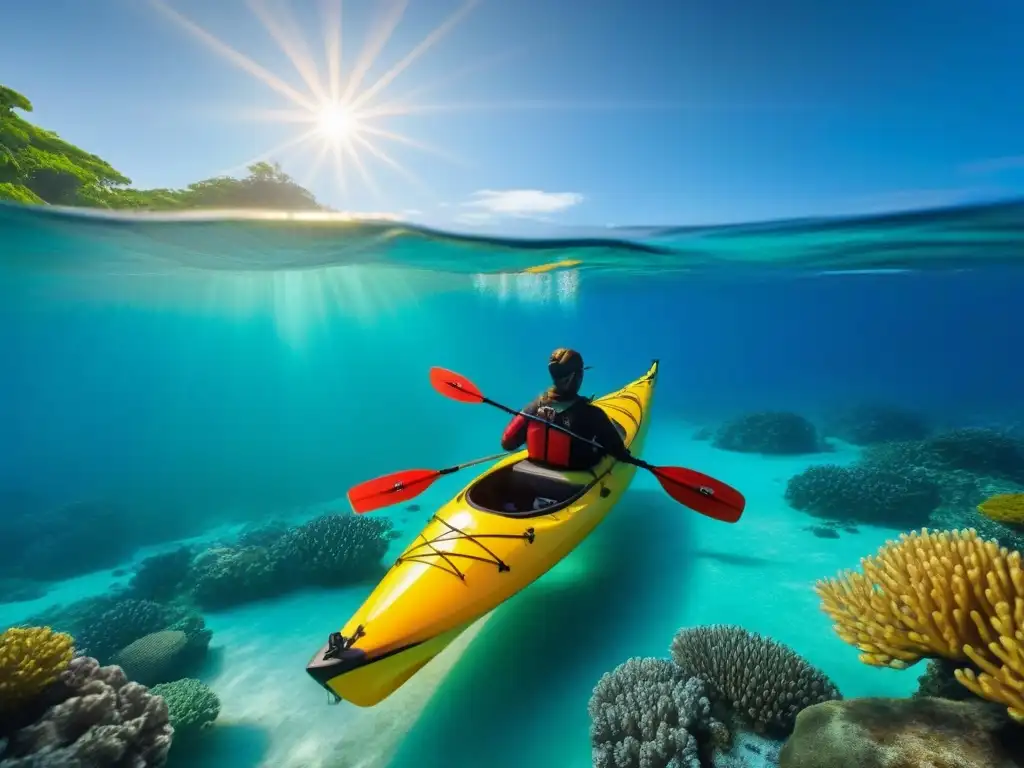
(266, 186)
(43, 163)
(38, 167)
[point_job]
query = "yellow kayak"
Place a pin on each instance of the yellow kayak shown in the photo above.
(503, 531)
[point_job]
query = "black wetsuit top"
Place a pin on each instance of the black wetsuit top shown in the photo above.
(578, 415)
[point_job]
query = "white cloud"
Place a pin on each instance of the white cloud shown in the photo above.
(474, 219)
(523, 202)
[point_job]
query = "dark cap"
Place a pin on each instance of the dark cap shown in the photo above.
(565, 362)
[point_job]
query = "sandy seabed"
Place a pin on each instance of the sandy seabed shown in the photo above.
(513, 689)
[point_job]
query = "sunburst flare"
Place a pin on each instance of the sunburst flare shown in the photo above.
(342, 119)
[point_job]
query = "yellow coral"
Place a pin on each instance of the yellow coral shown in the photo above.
(30, 660)
(1004, 508)
(942, 594)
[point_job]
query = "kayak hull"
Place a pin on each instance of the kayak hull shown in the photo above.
(350, 676)
(504, 530)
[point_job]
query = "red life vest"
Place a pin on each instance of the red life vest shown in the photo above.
(546, 444)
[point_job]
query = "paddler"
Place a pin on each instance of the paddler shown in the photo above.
(563, 405)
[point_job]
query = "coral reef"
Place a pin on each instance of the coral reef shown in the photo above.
(952, 518)
(763, 682)
(162, 577)
(772, 432)
(226, 576)
(333, 550)
(194, 627)
(871, 423)
(329, 551)
(671, 713)
(939, 681)
(261, 534)
(981, 451)
(1004, 508)
(646, 714)
(155, 658)
(864, 494)
(903, 456)
(104, 626)
(948, 594)
(74, 617)
(193, 706)
(31, 659)
(124, 623)
(50, 543)
(968, 467)
(95, 718)
(911, 733)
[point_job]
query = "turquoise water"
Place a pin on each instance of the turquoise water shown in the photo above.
(199, 375)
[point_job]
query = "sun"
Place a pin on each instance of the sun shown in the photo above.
(336, 122)
(341, 117)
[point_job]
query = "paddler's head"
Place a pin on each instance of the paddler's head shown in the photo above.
(566, 369)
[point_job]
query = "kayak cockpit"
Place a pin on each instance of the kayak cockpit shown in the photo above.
(525, 489)
(528, 488)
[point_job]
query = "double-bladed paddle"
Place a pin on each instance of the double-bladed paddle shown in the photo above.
(699, 492)
(402, 486)
(693, 489)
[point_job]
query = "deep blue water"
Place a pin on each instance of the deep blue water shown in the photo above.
(214, 389)
(237, 370)
(178, 406)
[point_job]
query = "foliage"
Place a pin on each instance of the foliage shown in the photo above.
(38, 167)
(18, 193)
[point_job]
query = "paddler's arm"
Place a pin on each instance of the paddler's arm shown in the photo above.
(608, 436)
(514, 436)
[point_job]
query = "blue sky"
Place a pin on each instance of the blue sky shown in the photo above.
(582, 112)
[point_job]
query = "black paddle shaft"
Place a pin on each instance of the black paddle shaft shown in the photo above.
(512, 412)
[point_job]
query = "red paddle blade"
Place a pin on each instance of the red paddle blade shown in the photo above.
(455, 386)
(390, 489)
(702, 493)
